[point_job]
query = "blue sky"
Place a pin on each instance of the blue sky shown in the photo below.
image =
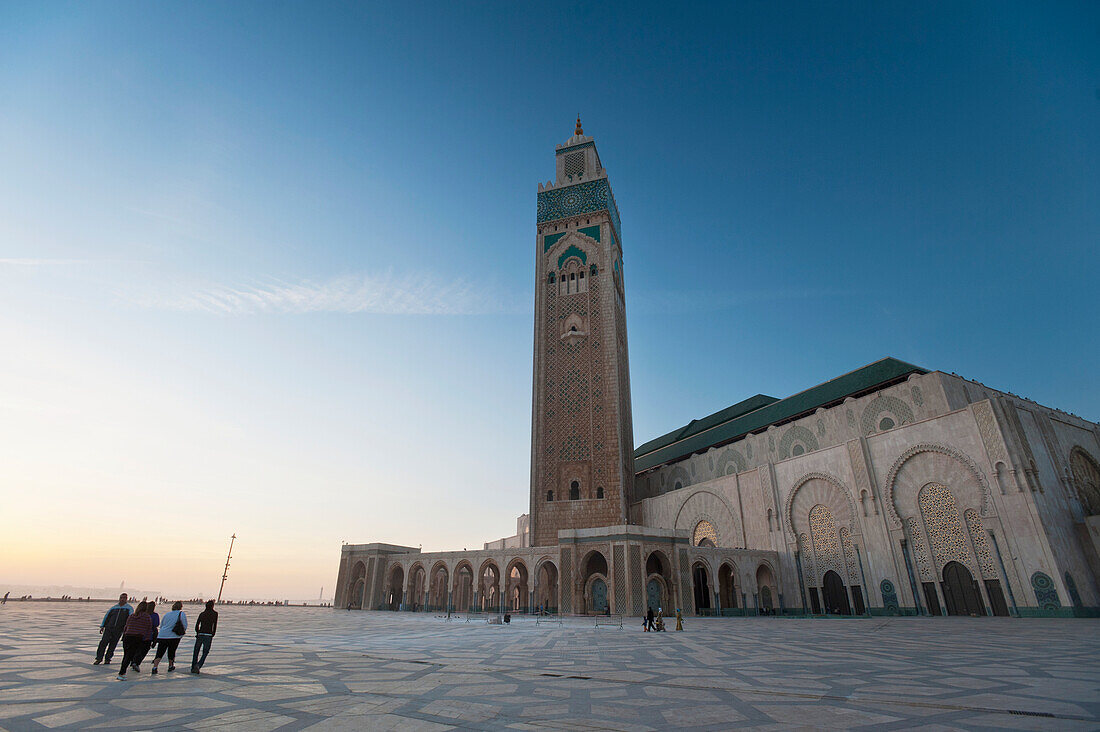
(277, 258)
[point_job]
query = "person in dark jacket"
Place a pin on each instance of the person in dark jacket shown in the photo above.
(649, 620)
(205, 628)
(138, 627)
(151, 639)
(111, 629)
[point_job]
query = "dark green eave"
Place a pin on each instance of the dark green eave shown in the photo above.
(696, 426)
(760, 412)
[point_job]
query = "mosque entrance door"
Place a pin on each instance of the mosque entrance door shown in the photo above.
(599, 595)
(836, 599)
(702, 589)
(960, 591)
(653, 595)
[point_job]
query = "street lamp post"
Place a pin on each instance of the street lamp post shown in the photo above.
(225, 573)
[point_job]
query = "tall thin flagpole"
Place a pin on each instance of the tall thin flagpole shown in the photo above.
(225, 574)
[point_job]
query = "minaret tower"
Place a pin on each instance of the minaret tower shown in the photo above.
(582, 442)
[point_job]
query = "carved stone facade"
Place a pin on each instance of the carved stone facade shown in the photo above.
(888, 490)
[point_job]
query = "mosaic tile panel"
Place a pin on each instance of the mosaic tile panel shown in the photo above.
(581, 198)
(1046, 594)
(573, 148)
(889, 596)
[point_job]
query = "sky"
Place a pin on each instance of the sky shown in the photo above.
(267, 267)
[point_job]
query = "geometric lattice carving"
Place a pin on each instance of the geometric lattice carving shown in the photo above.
(987, 428)
(981, 544)
(924, 462)
(849, 556)
(636, 579)
(1086, 479)
(728, 462)
(703, 505)
(796, 434)
(566, 582)
(704, 532)
(808, 554)
(620, 580)
(884, 403)
(826, 542)
(920, 553)
(942, 520)
(812, 489)
(574, 163)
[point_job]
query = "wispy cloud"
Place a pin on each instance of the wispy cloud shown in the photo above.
(36, 261)
(385, 293)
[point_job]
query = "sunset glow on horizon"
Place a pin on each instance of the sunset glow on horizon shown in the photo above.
(267, 269)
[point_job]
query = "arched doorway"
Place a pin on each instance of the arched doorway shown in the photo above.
(597, 594)
(489, 587)
(1086, 479)
(595, 583)
(658, 571)
(765, 583)
(417, 582)
(463, 592)
(546, 587)
(394, 590)
(960, 591)
(834, 594)
(727, 586)
(654, 594)
(437, 588)
(701, 585)
(516, 595)
(357, 586)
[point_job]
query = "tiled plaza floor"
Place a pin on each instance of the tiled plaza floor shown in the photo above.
(297, 668)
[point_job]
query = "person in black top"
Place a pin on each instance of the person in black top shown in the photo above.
(205, 628)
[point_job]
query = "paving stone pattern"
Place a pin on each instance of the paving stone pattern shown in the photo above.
(312, 668)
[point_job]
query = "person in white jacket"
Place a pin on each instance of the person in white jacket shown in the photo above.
(173, 626)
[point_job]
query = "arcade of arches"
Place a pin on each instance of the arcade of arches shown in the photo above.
(891, 489)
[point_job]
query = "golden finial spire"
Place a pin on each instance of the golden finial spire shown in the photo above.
(579, 130)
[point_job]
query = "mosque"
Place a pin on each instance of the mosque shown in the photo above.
(889, 490)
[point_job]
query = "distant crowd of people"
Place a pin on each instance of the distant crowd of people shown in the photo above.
(141, 628)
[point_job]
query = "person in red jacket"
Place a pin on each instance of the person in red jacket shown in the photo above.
(139, 626)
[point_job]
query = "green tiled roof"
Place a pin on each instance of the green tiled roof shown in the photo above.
(758, 412)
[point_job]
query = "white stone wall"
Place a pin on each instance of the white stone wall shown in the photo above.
(946, 430)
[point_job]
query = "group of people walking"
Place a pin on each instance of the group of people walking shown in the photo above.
(139, 629)
(656, 623)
